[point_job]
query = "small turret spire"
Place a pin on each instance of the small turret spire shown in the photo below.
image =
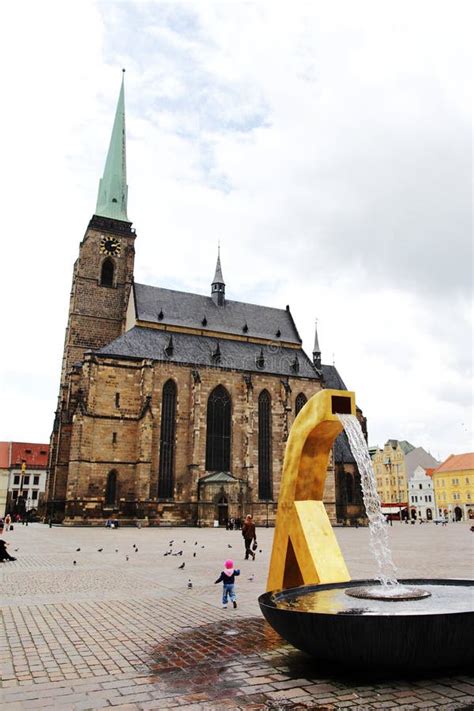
(218, 284)
(316, 348)
(113, 189)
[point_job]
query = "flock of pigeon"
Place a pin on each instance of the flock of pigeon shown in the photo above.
(167, 553)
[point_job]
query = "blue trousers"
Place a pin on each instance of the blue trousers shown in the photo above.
(228, 591)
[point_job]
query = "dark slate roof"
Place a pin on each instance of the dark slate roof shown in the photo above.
(342, 451)
(180, 308)
(331, 378)
(189, 349)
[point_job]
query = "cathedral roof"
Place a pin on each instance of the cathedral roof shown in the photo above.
(205, 351)
(180, 308)
(331, 378)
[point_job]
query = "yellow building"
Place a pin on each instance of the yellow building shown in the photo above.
(453, 483)
(391, 476)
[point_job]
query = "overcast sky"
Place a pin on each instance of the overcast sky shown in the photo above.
(326, 145)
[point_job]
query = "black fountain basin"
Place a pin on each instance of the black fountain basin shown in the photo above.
(436, 632)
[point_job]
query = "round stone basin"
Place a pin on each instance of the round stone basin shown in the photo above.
(433, 632)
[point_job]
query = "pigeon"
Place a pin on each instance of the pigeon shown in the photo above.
(190, 585)
(99, 550)
(259, 550)
(116, 550)
(126, 557)
(74, 562)
(195, 543)
(171, 542)
(179, 553)
(77, 550)
(194, 554)
(16, 549)
(251, 578)
(181, 566)
(203, 546)
(136, 550)
(229, 546)
(184, 541)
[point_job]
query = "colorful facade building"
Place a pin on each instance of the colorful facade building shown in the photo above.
(391, 477)
(453, 484)
(24, 468)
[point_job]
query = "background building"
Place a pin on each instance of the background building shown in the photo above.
(422, 503)
(24, 466)
(391, 477)
(173, 407)
(453, 483)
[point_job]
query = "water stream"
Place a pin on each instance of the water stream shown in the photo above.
(377, 524)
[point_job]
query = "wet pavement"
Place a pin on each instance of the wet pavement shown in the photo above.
(121, 629)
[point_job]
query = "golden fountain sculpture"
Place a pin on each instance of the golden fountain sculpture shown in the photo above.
(305, 550)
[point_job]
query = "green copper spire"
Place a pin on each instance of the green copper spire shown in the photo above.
(113, 189)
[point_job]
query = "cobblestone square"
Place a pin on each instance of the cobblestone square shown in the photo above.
(120, 628)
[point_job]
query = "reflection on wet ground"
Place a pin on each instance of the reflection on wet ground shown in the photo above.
(244, 664)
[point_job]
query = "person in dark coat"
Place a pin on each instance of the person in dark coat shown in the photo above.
(249, 534)
(4, 555)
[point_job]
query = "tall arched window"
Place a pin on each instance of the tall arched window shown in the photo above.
(300, 402)
(264, 446)
(219, 412)
(107, 273)
(167, 437)
(111, 489)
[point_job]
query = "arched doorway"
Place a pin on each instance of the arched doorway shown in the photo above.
(458, 513)
(223, 511)
(429, 514)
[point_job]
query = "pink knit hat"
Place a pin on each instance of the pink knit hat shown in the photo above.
(229, 564)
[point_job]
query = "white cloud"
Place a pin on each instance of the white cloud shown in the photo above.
(327, 147)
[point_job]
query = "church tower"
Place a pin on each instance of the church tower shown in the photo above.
(101, 283)
(103, 272)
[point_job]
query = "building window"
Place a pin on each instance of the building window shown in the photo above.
(107, 273)
(264, 446)
(114, 438)
(300, 402)
(15, 494)
(34, 494)
(117, 399)
(16, 480)
(455, 481)
(167, 438)
(111, 489)
(26, 480)
(218, 433)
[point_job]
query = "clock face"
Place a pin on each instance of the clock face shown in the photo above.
(110, 246)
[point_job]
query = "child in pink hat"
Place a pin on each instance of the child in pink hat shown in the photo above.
(228, 578)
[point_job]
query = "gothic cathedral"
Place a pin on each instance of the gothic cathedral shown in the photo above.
(174, 408)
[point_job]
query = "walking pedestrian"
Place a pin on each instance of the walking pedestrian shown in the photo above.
(227, 577)
(7, 522)
(249, 535)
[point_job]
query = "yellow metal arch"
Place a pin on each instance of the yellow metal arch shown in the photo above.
(305, 550)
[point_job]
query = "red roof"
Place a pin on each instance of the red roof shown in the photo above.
(430, 471)
(4, 455)
(34, 455)
(457, 463)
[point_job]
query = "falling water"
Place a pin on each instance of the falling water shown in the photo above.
(377, 523)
